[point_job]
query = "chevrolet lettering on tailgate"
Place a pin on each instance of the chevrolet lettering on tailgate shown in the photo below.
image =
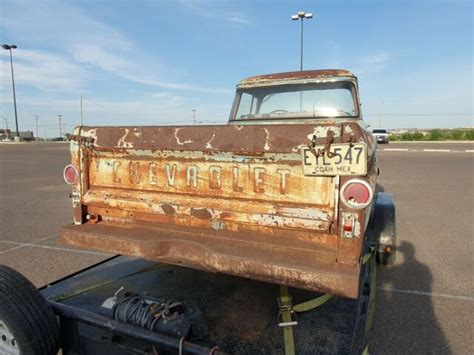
(183, 177)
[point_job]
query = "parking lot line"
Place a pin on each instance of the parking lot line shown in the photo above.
(396, 149)
(437, 150)
(429, 294)
(21, 245)
(33, 245)
(469, 150)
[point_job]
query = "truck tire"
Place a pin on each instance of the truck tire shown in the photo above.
(27, 323)
(364, 322)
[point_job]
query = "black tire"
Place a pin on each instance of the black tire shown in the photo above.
(27, 315)
(363, 327)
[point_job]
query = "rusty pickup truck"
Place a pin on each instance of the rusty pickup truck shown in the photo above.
(284, 193)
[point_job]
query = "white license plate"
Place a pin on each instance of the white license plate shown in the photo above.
(344, 160)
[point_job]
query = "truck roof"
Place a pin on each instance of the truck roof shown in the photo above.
(293, 76)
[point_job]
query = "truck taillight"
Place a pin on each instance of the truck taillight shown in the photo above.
(356, 193)
(70, 174)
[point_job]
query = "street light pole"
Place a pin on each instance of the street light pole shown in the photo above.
(301, 15)
(194, 116)
(60, 117)
(36, 119)
(6, 126)
(301, 46)
(81, 111)
(9, 48)
(381, 113)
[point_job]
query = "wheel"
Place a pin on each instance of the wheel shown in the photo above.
(27, 323)
(363, 328)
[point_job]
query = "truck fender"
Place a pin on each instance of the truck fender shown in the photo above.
(382, 228)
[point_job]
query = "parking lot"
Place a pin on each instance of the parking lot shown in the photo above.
(424, 302)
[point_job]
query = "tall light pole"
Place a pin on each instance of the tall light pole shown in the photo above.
(9, 47)
(81, 111)
(6, 125)
(194, 116)
(36, 119)
(301, 15)
(60, 117)
(381, 114)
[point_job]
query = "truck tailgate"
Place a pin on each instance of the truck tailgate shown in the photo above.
(232, 199)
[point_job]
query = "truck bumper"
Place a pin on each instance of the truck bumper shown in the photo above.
(296, 263)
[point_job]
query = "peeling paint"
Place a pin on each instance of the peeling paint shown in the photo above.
(208, 144)
(177, 138)
(357, 229)
(89, 133)
(122, 143)
(322, 132)
(267, 138)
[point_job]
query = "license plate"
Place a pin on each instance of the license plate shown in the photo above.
(344, 160)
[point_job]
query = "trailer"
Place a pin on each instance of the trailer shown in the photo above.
(230, 315)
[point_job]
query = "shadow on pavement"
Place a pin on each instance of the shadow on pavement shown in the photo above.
(406, 322)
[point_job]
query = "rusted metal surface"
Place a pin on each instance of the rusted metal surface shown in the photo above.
(293, 77)
(252, 139)
(307, 265)
(230, 199)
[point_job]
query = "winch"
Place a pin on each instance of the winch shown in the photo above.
(173, 317)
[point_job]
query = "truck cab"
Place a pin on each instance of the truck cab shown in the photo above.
(305, 96)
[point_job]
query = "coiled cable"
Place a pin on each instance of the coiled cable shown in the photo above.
(144, 313)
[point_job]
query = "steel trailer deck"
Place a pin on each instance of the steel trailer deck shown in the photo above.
(241, 314)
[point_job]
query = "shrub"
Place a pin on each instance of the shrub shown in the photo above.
(435, 135)
(418, 136)
(406, 137)
(469, 134)
(456, 135)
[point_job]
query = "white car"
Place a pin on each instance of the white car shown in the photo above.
(380, 135)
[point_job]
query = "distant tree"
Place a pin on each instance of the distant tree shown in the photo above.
(469, 134)
(456, 135)
(435, 135)
(418, 136)
(407, 136)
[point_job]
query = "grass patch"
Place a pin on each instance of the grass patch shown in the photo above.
(436, 135)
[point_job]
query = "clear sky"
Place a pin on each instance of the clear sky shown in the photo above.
(152, 62)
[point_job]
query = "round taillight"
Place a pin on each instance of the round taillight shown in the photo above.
(356, 193)
(70, 174)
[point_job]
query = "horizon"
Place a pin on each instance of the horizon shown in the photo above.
(413, 59)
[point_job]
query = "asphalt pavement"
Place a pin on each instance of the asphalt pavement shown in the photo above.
(424, 302)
